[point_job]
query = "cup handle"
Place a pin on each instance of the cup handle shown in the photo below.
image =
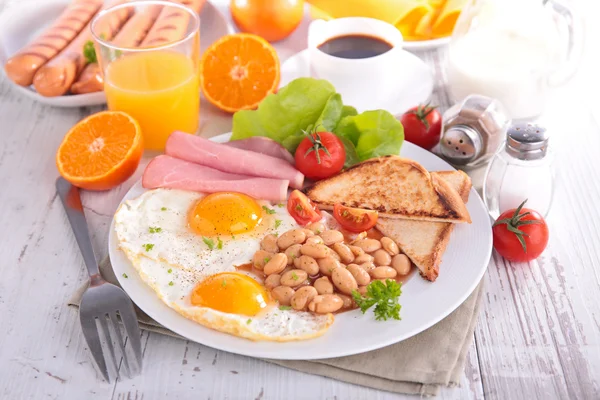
(574, 51)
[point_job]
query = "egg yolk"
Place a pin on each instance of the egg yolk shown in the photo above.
(224, 213)
(230, 292)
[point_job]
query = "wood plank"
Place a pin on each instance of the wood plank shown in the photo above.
(42, 348)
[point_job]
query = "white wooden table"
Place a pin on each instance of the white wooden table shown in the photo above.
(538, 335)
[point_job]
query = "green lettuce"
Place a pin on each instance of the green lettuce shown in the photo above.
(285, 115)
(331, 114)
(374, 133)
(312, 105)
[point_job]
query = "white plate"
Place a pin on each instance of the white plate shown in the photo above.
(414, 86)
(423, 303)
(425, 44)
(27, 19)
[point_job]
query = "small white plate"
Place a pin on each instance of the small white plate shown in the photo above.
(425, 44)
(26, 20)
(423, 303)
(414, 85)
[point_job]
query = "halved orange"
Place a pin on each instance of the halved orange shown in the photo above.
(238, 71)
(101, 151)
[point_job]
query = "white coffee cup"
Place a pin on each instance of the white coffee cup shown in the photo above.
(364, 83)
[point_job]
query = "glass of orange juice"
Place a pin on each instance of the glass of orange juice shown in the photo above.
(150, 67)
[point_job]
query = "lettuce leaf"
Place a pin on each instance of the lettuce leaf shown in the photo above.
(284, 115)
(374, 133)
(308, 104)
(348, 111)
(331, 114)
(351, 156)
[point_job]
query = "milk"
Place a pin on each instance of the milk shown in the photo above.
(508, 54)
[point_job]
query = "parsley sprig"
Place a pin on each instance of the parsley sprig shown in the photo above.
(148, 246)
(209, 242)
(89, 52)
(268, 210)
(383, 296)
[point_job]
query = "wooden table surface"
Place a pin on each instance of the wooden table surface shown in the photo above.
(538, 335)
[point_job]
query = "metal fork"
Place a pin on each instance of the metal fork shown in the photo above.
(102, 302)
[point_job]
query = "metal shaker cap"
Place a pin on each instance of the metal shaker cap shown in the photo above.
(461, 144)
(527, 141)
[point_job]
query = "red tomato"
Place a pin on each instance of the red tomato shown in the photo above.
(320, 155)
(422, 126)
(520, 234)
(302, 209)
(354, 219)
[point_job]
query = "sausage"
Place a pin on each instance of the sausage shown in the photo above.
(137, 27)
(56, 77)
(89, 81)
(22, 67)
(171, 24)
(130, 36)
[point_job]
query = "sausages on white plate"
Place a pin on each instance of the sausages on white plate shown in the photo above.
(131, 34)
(56, 77)
(229, 159)
(22, 66)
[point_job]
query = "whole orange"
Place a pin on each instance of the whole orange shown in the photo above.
(271, 19)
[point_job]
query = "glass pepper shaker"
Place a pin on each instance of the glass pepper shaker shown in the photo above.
(473, 130)
(521, 170)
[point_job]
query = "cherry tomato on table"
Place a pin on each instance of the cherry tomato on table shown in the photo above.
(422, 126)
(354, 219)
(302, 209)
(520, 234)
(320, 155)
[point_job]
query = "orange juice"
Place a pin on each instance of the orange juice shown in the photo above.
(159, 89)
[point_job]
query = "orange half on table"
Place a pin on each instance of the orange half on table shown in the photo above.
(238, 71)
(101, 152)
(416, 19)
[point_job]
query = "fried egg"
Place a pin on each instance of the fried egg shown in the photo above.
(186, 247)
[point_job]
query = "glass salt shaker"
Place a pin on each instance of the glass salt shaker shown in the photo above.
(473, 130)
(521, 170)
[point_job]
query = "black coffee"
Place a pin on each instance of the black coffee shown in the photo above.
(355, 46)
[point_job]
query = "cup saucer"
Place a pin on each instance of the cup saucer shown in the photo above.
(414, 85)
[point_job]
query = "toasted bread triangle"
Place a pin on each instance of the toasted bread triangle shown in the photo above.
(394, 186)
(422, 241)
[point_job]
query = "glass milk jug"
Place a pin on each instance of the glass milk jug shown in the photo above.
(513, 51)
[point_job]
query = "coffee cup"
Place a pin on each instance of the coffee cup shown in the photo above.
(342, 52)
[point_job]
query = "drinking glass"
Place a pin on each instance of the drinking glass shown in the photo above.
(155, 81)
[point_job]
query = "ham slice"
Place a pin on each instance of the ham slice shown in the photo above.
(168, 172)
(263, 145)
(230, 159)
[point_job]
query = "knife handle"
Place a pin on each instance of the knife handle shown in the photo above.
(71, 200)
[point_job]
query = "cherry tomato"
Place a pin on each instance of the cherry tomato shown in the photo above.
(354, 219)
(520, 234)
(320, 155)
(422, 126)
(302, 209)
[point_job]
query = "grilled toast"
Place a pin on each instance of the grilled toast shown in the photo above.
(394, 186)
(422, 241)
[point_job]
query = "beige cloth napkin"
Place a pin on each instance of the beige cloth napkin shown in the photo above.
(419, 365)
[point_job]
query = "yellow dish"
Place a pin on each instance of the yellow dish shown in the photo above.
(416, 19)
